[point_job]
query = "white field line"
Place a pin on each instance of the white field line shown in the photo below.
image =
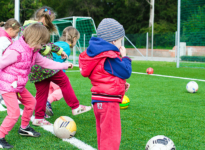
(170, 76)
(159, 75)
(74, 141)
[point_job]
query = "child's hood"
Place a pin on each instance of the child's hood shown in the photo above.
(98, 45)
(29, 21)
(98, 49)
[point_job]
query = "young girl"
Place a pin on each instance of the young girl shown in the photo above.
(9, 30)
(68, 40)
(42, 77)
(15, 65)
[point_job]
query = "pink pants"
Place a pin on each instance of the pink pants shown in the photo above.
(108, 125)
(13, 110)
(55, 93)
(42, 89)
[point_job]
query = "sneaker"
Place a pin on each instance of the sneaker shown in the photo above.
(19, 102)
(46, 116)
(28, 132)
(49, 109)
(3, 103)
(81, 109)
(4, 144)
(2, 108)
(41, 122)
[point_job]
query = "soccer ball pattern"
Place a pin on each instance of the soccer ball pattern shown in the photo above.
(192, 87)
(64, 127)
(125, 102)
(160, 142)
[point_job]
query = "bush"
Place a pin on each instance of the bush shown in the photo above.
(193, 58)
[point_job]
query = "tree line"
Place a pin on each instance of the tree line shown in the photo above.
(134, 15)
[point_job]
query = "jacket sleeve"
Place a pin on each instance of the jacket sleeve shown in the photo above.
(50, 64)
(119, 67)
(9, 57)
(4, 44)
(50, 47)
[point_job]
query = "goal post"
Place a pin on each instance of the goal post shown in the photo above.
(86, 28)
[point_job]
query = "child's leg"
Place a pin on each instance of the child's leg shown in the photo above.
(42, 89)
(13, 112)
(63, 82)
(29, 103)
(56, 93)
(108, 125)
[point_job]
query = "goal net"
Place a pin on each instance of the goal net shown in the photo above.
(86, 27)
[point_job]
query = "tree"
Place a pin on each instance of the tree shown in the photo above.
(27, 9)
(7, 9)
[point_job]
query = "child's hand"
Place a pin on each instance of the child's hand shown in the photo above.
(70, 65)
(127, 85)
(64, 55)
(122, 51)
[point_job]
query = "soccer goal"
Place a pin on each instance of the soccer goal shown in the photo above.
(86, 27)
(191, 33)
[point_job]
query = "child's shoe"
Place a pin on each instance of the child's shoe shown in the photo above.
(41, 122)
(46, 116)
(81, 109)
(28, 132)
(19, 102)
(2, 108)
(4, 144)
(49, 109)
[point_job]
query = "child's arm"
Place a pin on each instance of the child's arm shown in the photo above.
(119, 67)
(50, 47)
(50, 64)
(4, 44)
(9, 57)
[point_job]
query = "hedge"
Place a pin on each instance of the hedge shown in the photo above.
(193, 58)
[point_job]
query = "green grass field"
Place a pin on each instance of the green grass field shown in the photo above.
(158, 106)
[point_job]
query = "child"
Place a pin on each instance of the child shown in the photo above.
(102, 64)
(42, 77)
(10, 30)
(15, 65)
(68, 39)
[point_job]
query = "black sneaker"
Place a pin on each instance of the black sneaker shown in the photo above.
(4, 144)
(28, 132)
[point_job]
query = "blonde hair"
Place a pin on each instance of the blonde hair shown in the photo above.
(48, 14)
(36, 34)
(69, 33)
(11, 23)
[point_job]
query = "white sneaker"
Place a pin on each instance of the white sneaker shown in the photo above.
(81, 109)
(2, 108)
(3, 103)
(41, 122)
(19, 102)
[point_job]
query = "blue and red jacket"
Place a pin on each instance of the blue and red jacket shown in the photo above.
(102, 64)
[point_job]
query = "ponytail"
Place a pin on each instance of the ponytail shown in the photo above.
(48, 24)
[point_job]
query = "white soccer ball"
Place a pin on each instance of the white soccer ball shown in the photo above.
(192, 87)
(64, 127)
(160, 142)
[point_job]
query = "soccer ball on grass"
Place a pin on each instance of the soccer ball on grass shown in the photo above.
(64, 127)
(192, 87)
(125, 102)
(160, 142)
